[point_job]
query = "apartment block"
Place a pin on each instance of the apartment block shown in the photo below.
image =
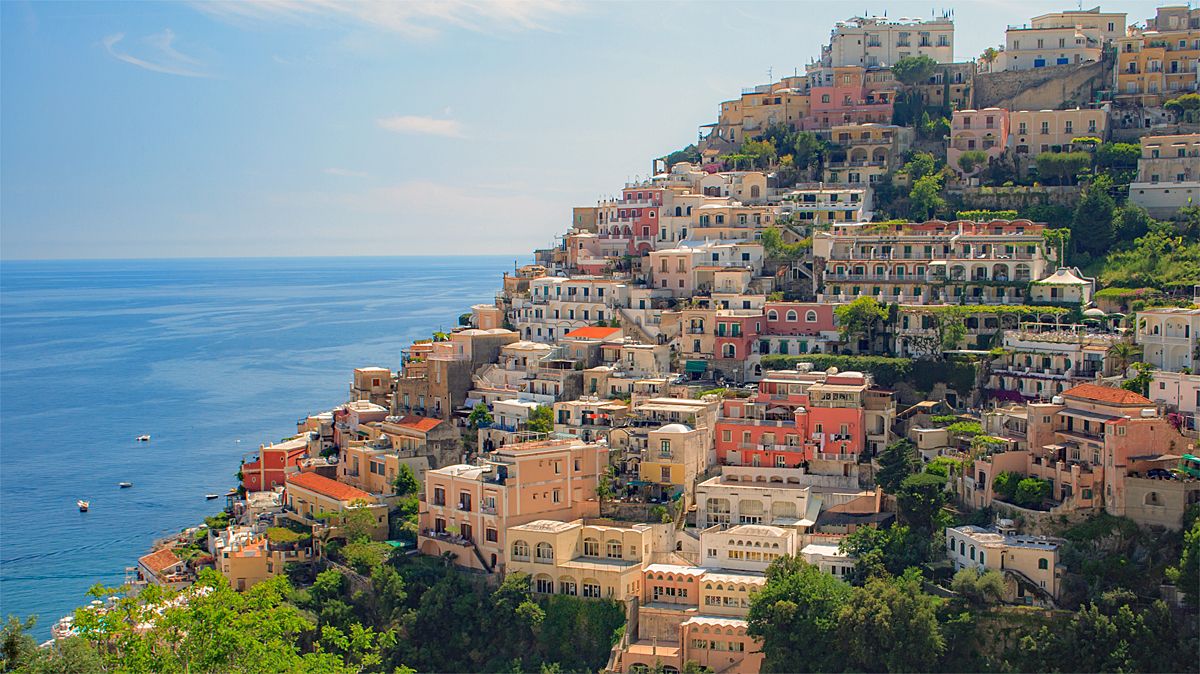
(1034, 132)
(1030, 565)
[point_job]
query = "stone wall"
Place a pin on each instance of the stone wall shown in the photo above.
(1048, 88)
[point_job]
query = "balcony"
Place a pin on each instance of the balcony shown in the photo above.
(822, 456)
(448, 537)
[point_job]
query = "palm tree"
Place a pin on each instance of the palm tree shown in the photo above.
(990, 55)
(1125, 352)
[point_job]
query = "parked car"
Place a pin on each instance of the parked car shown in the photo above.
(1159, 474)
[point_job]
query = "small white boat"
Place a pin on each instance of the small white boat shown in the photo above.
(143, 438)
(126, 485)
(83, 506)
(211, 496)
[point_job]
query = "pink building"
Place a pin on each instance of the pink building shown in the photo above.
(797, 417)
(796, 328)
(852, 97)
(737, 333)
(985, 130)
(633, 218)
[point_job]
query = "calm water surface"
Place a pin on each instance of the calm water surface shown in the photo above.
(199, 354)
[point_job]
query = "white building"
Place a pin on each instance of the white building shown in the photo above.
(747, 547)
(1180, 391)
(1168, 176)
(875, 41)
(1064, 285)
(830, 560)
(1169, 337)
(1061, 38)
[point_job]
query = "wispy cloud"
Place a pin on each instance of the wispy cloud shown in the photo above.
(164, 59)
(351, 174)
(425, 125)
(417, 19)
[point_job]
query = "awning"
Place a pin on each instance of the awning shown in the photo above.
(696, 366)
(638, 483)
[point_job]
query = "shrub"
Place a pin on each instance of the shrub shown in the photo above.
(1031, 492)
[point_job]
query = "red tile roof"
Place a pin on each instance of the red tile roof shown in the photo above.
(157, 561)
(331, 488)
(1103, 394)
(417, 423)
(592, 333)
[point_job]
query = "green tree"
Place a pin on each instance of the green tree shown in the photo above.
(924, 199)
(479, 416)
(1005, 485)
(919, 500)
(884, 553)
(16, 647)
(1062, 166)
(979, 587)
(1124, 352)
(795, 617)
(761, 154)
(972, 159)
(859, 320)
(990, 55)
(406, 482)
(1140, 384)
(912, 71)
(1031, 492)
(890, 626)
(693, 667)
(1092, 228)
(898, 461)
(465, 319)
(920, 164)
(1186, 574)
(1131, 222)
(541, 420)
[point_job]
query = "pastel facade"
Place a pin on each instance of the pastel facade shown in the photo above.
(1064, 286)
(1034, 132)
(582, 558)
(1169, 337)
(467, 510)
(1030, 564)
(983, 130)
(1061, 38)
(375, 384)
(313, 499)
(1168, 173)
(247, 557)
(930, 263)
(875, 41)
(1156, 65)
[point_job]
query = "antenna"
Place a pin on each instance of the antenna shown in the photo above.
(771, 79)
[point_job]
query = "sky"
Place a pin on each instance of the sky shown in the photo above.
(281, 128)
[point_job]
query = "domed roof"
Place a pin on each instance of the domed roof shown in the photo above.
(1093, 312)
(675, 428)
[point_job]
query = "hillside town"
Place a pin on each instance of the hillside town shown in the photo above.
(892, 278)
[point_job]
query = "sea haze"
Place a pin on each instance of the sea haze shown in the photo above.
(198, 354)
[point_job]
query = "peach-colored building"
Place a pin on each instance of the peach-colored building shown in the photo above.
(693, 613)
(1086, 442)
(468, 510)
(246, 557)
(309, 496)
(984, 130)
(584, 558)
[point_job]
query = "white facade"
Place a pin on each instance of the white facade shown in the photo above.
(1181, 391)
(1169, 337)
(877, 41)
(557, 305)
(830, 560)
(1060, 38)
(1064, 285)
(747, 547)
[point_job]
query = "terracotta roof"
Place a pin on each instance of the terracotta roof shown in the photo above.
(417, 423)
(592, 333)
(1103, 394)
(331, 488)
(157, 561)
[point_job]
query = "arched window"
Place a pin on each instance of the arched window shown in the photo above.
(520, 551)
(544, 553)
(972, 552)
(981, 560)
(791, 316)
(614, 549)
(1152, 499)
(810, 317)
(962, 548)
(772, 315)
(1043, 563)
(591, 547)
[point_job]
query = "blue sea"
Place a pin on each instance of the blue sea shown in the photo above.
(210, 357)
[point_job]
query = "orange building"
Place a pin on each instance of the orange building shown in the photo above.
(467, 510)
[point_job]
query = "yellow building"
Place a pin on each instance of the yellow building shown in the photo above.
(1036, 131)
(674, 456)
(310, 495)
(246, 557)
(1154, 67)
(584, 558)
(1029, 563)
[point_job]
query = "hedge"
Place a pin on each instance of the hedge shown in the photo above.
(887, 371)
